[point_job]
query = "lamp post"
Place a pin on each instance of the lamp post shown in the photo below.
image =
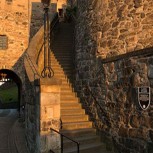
(47, 70)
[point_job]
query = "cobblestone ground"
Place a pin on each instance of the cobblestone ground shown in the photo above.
(7, 120)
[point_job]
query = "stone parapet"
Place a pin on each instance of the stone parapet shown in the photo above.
(48, 104)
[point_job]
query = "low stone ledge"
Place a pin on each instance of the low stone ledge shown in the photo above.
(46, 81)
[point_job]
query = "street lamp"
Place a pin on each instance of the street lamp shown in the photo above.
(47, 70)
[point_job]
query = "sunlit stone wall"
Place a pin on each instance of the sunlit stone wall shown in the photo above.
(13, 24)
(113, 27)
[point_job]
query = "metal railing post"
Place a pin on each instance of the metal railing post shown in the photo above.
(61, 143)
(77, 143)
(78, 147)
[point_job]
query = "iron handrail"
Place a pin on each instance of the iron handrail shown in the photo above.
(62, 135)
(47, 66)
(97, 103)
(33, 68)
(54, 22)
(87, 87)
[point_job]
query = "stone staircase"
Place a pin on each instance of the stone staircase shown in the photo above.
(76, 123)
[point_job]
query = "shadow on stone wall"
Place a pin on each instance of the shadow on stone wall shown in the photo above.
(36, 20)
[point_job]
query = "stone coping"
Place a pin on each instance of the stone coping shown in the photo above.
(47, 81)
(32, 53)
(139, 53)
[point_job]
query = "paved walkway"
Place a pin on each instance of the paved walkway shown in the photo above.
(12, 138)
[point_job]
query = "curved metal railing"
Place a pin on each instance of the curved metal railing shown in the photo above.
(34, 50)
(64, 136)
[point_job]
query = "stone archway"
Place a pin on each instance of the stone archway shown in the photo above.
(10, 75)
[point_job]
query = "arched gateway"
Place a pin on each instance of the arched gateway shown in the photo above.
(9, 76)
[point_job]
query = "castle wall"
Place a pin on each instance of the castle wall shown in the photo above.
(107, 29)
(131, 126)
(116, 27)
(20, 20)
(13, 24)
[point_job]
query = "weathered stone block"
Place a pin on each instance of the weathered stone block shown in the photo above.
(134, 121)
(150, 71)
(145, 121)
(133, 133)
(138, 133)
(138, 3)
(136, 80)
(123, 131)
(106, 26)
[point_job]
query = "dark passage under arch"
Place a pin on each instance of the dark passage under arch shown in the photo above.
(6, 77)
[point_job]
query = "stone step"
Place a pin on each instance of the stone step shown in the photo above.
(61, 75)
(90, 139)
(79, 132)
(61, 56)
(77, 125)
(65, 84)
(55, 61)
(71, 106)
(68, 93)
(68, 96)
(66, 68)
(62, 62)
(72, 112)
(73, 100)
(62, 69)
(92, 148)
(64, 78)
(63, 72)
(70, 100)
(68, 90)
(66, 87)
(74, 118)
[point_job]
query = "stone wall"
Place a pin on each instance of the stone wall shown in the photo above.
(14, 24)
(131, 126)
(114, 27)
(36, 13)
(115, 87)
(38, 121)
(31, 115)
(20, 20)
(35, 16)
(118, 29)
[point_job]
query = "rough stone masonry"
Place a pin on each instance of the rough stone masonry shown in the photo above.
(113, 58)
(114, 27)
